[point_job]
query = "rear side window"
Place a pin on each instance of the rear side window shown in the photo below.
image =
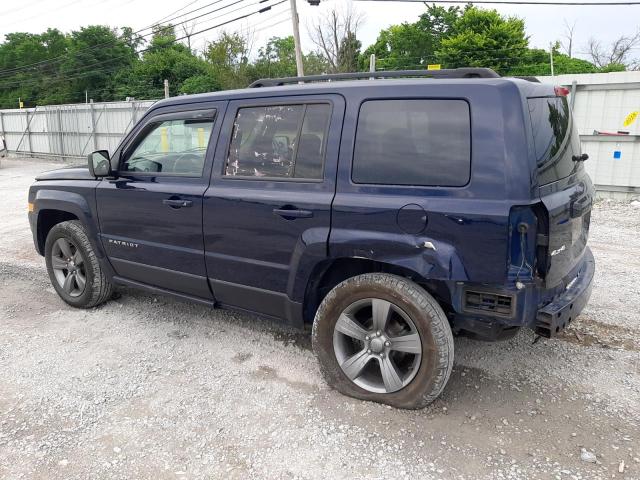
(555, 138)
(413, 142)
(280, 141)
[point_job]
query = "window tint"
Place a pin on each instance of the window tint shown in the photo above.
(172, 147)
(310, 155)
(285, 141)
(555, 138)
(413, 142)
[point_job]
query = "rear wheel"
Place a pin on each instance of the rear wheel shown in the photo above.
(73, 267)
(383, 338)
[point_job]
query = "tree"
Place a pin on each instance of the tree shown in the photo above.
(618, 53)
(349, 53)
(163, 59)
(228, 57)
(567, 44)
(412, 45)
(27, 61)
(200, 84)
(187, 30)
(536, 62)
(278, 59)
(95, 55)
(483, 38)
(56, 68)
(335, 36)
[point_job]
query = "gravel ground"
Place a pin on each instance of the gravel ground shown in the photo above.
(148, 387)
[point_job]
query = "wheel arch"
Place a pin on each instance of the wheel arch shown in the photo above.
(329, 273)
(56, 206)
(47, 219)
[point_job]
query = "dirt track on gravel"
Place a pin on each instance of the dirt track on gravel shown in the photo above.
(148, 387)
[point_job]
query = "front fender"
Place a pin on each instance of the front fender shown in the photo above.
(74, 203)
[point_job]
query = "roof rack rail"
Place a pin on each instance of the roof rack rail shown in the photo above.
(446, 73)
(528, 78)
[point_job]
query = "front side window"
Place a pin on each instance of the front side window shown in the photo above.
(280, 141)
(172, 147)
(413, 142)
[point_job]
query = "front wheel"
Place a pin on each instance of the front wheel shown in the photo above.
(383, 338)
(73, 267)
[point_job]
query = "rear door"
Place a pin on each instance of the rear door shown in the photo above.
(151, 214)
(267, 213)
(565, 188)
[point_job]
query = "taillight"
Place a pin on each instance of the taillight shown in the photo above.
(561, 91)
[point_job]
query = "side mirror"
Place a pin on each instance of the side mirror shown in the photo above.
(99, 163)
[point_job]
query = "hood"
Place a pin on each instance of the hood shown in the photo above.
(68, 173)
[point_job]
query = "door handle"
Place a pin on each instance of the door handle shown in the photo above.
(177, 203)
(291, 213)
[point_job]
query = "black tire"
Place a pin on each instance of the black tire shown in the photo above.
(97, 288)
(430, 322)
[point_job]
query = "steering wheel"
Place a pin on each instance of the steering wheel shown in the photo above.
(187, 163)
(142, 164)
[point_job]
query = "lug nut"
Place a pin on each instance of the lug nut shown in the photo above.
(387, 343)
(382, 355)
(368, 351)
(367, 337)
(378, 333)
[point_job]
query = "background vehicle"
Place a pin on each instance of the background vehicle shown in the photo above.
(387, 213)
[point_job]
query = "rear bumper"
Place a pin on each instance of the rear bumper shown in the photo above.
(546, 311)
(558, 314)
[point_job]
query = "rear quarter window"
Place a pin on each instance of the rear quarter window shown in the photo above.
(555, 138)
(413, 142)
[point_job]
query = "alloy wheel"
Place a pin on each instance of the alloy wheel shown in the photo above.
(377, 345)
(69, 267)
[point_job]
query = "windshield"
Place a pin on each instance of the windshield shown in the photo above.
(555, 138)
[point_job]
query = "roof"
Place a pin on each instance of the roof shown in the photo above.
(342, 87)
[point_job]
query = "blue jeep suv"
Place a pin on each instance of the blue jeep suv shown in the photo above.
(388, 213)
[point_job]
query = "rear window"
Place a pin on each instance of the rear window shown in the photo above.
(413, 142)
(555, 138)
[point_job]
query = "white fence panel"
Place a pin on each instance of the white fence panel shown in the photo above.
(601, 102)
(69, 131)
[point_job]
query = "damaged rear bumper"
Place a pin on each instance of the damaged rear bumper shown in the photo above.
(565, 307)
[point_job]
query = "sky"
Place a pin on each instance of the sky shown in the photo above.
(544, 24)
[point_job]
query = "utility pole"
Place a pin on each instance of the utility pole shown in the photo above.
(166, 88)
(296, 37)
(372, 64)
(551, 57)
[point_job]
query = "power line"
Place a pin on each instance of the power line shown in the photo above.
(101, 63)
(22, 7)
(62, 57)
(510, 2)
(176, 11)
(159, 87)
(273, 24)
(80, 75)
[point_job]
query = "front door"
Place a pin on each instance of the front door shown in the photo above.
(267, 213)
(151, 214)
